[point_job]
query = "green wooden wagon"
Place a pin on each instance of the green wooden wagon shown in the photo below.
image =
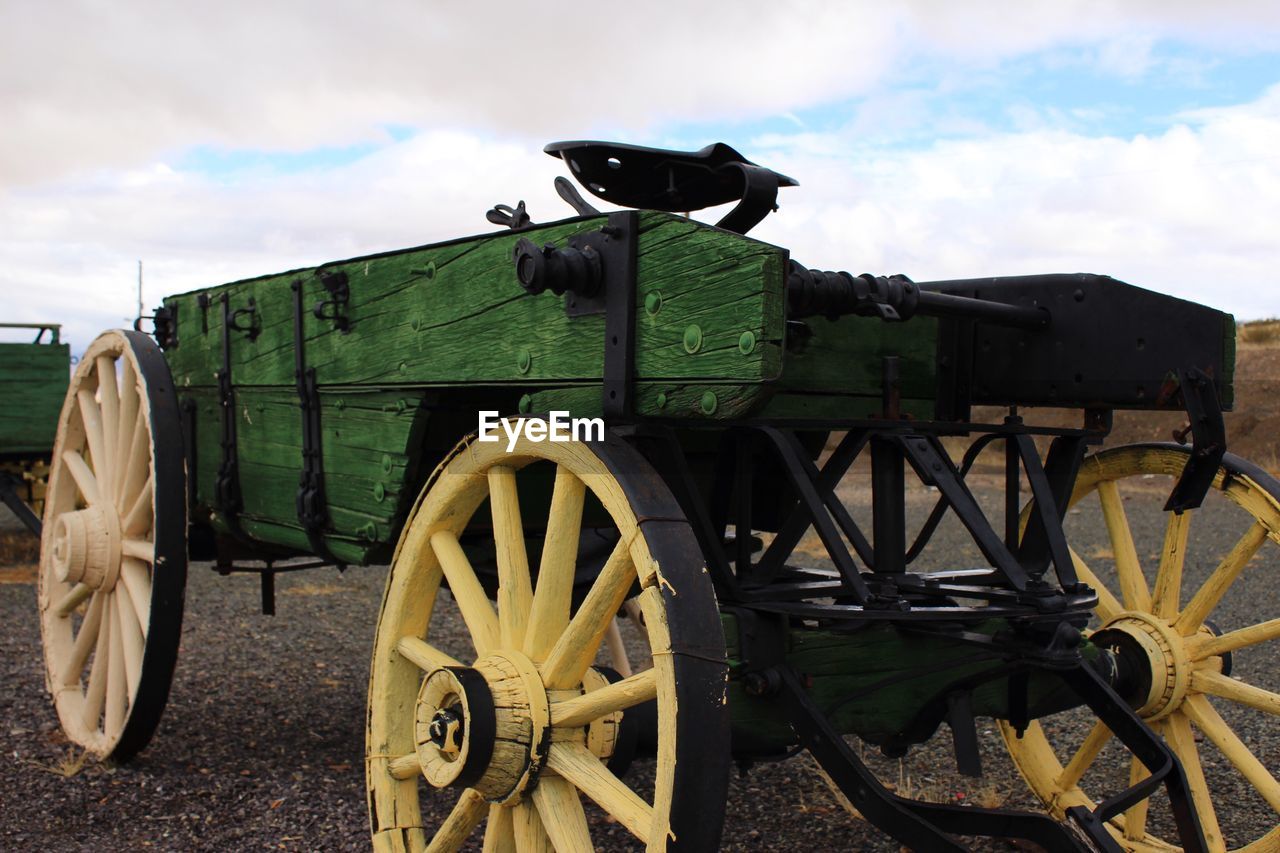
(637, 610)
(33, 382)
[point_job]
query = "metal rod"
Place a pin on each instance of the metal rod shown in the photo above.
(934, 304)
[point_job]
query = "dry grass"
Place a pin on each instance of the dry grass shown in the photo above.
(1259, 333)
(71, 764)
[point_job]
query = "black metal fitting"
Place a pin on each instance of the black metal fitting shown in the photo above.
(573, 270)
(245, 320)
(833, 294)
(335, 307)
(766, 682)
(893, 298)
(166, 327)
(516, 218)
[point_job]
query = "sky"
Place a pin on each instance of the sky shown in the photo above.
(218, 141)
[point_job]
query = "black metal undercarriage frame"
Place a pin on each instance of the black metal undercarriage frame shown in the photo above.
(872, 583)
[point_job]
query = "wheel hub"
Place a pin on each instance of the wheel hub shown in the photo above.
(484, 727)
(1153, 659)
(86, 548)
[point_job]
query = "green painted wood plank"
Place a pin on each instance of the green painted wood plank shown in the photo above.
(33, 385)
(371, 445)
(455, 314)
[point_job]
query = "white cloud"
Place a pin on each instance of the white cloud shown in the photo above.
(87, 84)
(1189, 212)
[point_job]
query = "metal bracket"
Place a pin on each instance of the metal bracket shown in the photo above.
(245, 320)
(1208, 440)
(227, 487)
(335, 307)
(618, 254)
(312, 503)
(596, 274)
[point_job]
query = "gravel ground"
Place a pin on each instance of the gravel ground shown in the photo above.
(261, 745)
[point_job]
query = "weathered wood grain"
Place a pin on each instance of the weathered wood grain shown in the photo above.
(454, 313)
(33, 380)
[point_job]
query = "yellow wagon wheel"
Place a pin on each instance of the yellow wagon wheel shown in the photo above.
(113, 549)
(1163, 627)
(513, 731)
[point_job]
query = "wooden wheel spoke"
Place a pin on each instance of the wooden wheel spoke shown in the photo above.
(139, 549)
(552, 599)
(117, 683)
(1133, 586)
(86, 640)
(562, 816)
(1179, 737)
(131, 637)
(577, 646)
(462, 820)
(130, 409)
(530, 835)
(1238, 639)
(109, 400)
(1085, 755)
(404, 767)
(137, 583)
(91, 417)
(514, 589)
(82, 474)
(477, 612)
(73, 599)
(613, 697)
(581, 768)
(1210, 593)
(617, 648)
(1226, 687)
(1168, 586)
(1207, 719)
(1108, 605)
(135, 461)
(138, 519)
(1135, 817)
(499, 835)
(424, 655)
(96, 691)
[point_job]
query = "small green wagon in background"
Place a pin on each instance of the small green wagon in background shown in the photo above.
(638, 610)
(33, 383)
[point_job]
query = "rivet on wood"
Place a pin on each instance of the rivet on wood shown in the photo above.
(526, 404)
(379, 492)
(692, 338)
(653, 303)
(523, 360)
(747, 343)
(662, 399)
(386, 463)
(709, 403)
(404, 368)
